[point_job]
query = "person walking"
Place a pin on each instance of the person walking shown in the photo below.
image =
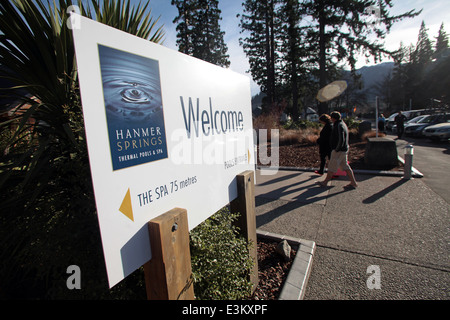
(381, 123)
(400, 121)
(339, 152)
(324, 142)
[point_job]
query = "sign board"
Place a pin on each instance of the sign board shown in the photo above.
(163, 130)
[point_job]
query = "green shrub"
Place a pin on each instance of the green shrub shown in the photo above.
(220, 259)
(352, 123)
(290, 125)
(301, 124)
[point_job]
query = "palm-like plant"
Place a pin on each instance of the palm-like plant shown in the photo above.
(44, 171)
(119, 15)
(37, 58)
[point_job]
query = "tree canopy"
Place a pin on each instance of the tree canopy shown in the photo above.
(199, 32)
(420, 76)
(324, 34)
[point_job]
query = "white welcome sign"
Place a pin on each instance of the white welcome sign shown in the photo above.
(163, 129)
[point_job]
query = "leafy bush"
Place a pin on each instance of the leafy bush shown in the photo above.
(301, 124)
(291, 136)
(352, 123)
(220, 259)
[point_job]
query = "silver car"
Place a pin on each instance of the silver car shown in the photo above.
(417, 129)
(439, 131)
(409, 122)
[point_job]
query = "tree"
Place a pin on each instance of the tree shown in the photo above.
(199, 33)
(441, 41)
(260, 23)
(185, 26)
(435, 80)
(342, 29)
(424, 51)
(419, 73)
(292, 51)
(401, 75)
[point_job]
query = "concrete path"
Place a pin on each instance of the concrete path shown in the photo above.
(432, 159)
(400, 228)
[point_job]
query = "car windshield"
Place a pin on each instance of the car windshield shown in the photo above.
(391, 118)
(427, 119)
(416, 119)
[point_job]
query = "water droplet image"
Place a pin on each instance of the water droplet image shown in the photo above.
(133, 107)
(130, 85)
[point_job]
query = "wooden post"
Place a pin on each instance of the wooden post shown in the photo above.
(245, 205)
(168, 275)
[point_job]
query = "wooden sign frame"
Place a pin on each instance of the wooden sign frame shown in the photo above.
(168, 275)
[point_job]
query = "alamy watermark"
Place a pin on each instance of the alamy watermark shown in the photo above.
(374, 280)
(227, 150)
(373, 15)
(74, 21)
(74, 280)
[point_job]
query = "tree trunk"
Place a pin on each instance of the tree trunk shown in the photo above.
(323, 106)
(293, 56)
(270, 60)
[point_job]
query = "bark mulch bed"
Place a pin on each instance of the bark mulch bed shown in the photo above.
(272, 270)
(306, 155)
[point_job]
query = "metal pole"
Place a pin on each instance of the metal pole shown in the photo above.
(376, 116)
(409, 151)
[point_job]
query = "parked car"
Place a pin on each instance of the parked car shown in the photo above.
(412, 121)
(414, 113)
(416, 129)
(440, 132)
(390, 121)
(410, 114)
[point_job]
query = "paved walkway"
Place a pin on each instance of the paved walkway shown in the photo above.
(399, 226)
(432, 159)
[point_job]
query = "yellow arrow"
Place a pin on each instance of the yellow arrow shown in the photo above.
(126, 207)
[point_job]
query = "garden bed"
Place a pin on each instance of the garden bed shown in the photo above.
(306, 155)
(272, 270)
(289, 282)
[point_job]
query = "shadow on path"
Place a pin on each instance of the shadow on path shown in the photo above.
(382, 193)
(312, 195)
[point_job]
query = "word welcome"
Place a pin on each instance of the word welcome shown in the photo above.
(212, 122)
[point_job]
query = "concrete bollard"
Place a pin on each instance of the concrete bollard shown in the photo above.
(409, 151)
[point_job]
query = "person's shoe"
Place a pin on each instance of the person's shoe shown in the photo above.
(318, 172)
(322, 184)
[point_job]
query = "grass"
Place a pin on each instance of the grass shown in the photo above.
(299, 136)
(303, 132)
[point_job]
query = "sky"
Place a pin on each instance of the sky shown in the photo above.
(434, 13)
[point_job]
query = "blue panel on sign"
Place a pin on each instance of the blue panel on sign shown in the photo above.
(133, 105)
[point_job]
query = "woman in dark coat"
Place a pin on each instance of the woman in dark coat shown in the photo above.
(324, 142)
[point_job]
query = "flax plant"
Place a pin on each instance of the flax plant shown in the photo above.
(47, 208)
